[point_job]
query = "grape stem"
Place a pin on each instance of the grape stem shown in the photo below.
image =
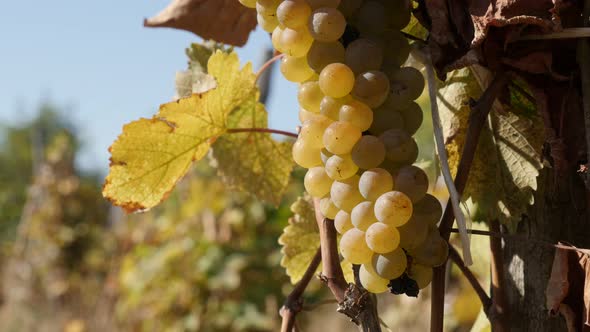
(261, 130)
(267, 64)
(294, 303)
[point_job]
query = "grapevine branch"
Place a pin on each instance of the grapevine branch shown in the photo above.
(261, 130)
(294, 303)
(477, 119)
(481, 293)
(499, 309)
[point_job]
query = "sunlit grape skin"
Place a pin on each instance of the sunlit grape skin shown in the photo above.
(326, 24)
(393, 208)
(382, 238)
(293, 13)
(342, 222)
(354, 248)
(336, 80)
(371, 281)
(362, 215)
(345, 194)
(375, 182)
(340, 167)
(340, 137)
(317, 182)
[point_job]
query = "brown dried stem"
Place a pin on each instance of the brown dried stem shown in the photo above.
(261, 130)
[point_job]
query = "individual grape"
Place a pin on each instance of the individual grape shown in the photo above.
(305, 115)
(372, 282)
(354, 248)
(330, 107)
(342, 222)
(357, 113)
(413, 117)
(413, 233)
(396, 49)
(385, 118)
(382, 238)
(315, 4)
(317, 182)
(372, 18)
(322, 54)
(276, 39)
(433, 251)
(336, 80)
(248, 3)
(340, 137)
(349, 7)
(326, 24)
(368, 152)
(306, 156)
(267, 7)
(390, 265)
(296, 42)
(393, 208)
(340, 167)
(375, 182)
(406, 85)
(362, 215)
(293, 13)
(327, 208)
(363, 55)
(400, 14)
(400, 147)
(267, 22)
(428, 210)
(371, 87)
(310, 96)
(325, 155)
(421, 274)
(412, 181)
(312, 131)
(295, 69)
(345, 193)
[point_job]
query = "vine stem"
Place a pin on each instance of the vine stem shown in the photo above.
(481, 293)
(267, 64)
(584, 63)
(261, 130)
(477, 119)
(499, 310)
(294, 303)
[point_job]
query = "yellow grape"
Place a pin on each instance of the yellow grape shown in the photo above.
(295, 69)
(357, 113)
(276, 39)
(368, 152)
(362, 215)
(312, 131)
(336, 80)
(317, 182)
(390, 265)
(413, 233)
(305, 155)
(345, 194)
(310, 96)
(327, 208)
(393, 208)
(296, 42)
(382, 238)
(326, 24)
(342, 222)
(267, 22)
(340, 167)
(422, 274)
(354, 248)
(433, 251)
(248, 3)
(372, 282)
(340, 137)
(293, 13)
(374, 183)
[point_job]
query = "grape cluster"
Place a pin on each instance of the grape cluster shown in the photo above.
(358, 116)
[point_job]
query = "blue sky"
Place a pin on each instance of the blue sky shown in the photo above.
(96, 60)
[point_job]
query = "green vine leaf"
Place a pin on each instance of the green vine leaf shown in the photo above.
(504, 172)
(151, 155)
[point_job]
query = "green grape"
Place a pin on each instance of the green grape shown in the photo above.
(330, 107)
(400, 147)
(413, 233)
(385, 118)
(349, 7)
(340, 137)
(312, 131)
(393, 208)
(390, 265)
(295, 69)
(363, 55)
(433, 251)
(428, 210)
(357, 113)
(340, 167)
(326, 24)
(374, 183)
(306, 156)
(406, 85)
(336, 80)
(342, 222)
(382, 238)
(322, 54)
(317, 182)
(248, 3)
(362, 215)
(296, 42)
(345, 193)
(412, 117)
(325, 155)
(293, 13)
(310, 96)
(412, 181)
(371, 87)
(396, 49)
(276, 39)
(421, 274)
(368, 152)
(315, 4)
(327, 208)
(399, 14)
(372, 18)
(372, 282)
(354, 248)
(267, 22)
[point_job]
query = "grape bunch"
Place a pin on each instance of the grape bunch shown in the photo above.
(358, 116)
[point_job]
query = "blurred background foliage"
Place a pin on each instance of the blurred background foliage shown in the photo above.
(205, 260)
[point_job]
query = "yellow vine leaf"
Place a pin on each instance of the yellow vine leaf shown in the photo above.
(151, 155)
